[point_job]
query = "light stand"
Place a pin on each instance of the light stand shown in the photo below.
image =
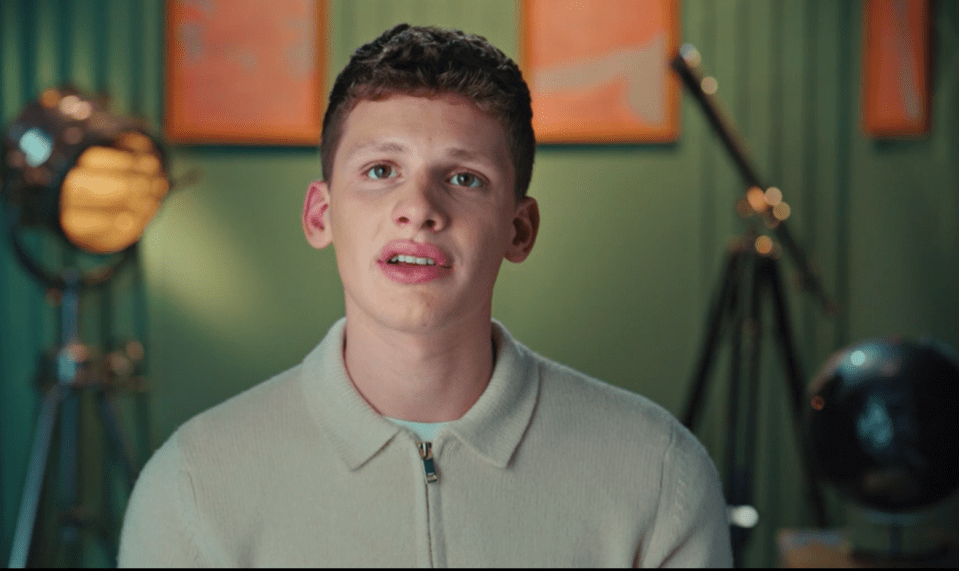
(95, 180)
(76, 374)
(751, 276)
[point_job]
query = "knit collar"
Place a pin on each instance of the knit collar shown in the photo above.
(492, 428)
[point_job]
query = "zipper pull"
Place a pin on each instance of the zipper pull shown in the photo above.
(426, 453)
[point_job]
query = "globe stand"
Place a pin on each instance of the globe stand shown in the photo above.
(920, 537)
(77, 371)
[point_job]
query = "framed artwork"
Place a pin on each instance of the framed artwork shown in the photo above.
(599, 71)
(244, 71)
(896, 68)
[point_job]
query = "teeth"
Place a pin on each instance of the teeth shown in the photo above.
(412, 260)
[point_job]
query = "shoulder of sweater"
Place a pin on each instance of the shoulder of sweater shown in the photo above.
(590, 392)
(613, 411)
(256, 414)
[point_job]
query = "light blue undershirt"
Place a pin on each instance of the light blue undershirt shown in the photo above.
(425, 431)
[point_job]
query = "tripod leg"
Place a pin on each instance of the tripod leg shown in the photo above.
(69, 477)
(754, 332)
(36, 473)
(141, 420)
(744, 473)
(795, 378)
(119, 443)
(787, 345)
(122, 454)
(724, 302)
(736, 478)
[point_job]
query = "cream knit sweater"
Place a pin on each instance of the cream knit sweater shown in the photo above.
(548, 468)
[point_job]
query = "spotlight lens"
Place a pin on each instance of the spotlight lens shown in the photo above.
(37, 146)
(111, 194)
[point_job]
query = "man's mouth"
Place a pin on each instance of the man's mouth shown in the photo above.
(406, 253)
(411, 260)
(412, 269)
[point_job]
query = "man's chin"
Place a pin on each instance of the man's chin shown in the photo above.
(422, 322)
(417, 324)
(417, 313)
(405, 320)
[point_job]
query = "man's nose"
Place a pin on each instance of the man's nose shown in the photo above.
(420, 204)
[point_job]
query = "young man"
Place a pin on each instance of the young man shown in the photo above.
(420, 432)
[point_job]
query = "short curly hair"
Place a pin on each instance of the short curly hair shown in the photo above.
(431, 61)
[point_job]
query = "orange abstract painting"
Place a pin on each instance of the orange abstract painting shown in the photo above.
(244, 71)
(599, 71)
(896, 62)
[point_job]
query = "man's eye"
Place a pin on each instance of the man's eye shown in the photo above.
(466, 179)
(380, 172)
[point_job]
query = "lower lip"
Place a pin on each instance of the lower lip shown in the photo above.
(409, 274)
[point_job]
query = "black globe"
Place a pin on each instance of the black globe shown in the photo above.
(883, 423)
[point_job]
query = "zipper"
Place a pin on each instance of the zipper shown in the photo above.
(429, 468)
(426, 453)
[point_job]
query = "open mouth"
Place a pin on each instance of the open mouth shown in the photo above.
(410, 269)
(411, 261)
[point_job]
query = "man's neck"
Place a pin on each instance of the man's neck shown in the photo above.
(434, 376)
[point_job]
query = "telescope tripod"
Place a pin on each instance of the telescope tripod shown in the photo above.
(751, 275)
(76, 374)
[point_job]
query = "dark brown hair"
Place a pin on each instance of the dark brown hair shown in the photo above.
(431, 61)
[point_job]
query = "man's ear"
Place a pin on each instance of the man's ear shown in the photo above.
(316, 215)
(525, 227)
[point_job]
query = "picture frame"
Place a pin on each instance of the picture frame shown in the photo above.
(244, 72)
(896, 68)
(599, 71)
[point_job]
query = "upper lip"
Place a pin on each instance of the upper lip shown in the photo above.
(418, 250)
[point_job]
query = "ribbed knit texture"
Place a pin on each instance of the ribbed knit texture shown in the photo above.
(548, 468)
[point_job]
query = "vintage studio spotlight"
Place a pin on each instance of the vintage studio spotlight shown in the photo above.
(93, 180)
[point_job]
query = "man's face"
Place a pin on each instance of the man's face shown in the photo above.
(421, 212)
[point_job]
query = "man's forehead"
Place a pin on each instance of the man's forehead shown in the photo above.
(454, 104)
(390, 125)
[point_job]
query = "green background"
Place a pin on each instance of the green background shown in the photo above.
(632, 241)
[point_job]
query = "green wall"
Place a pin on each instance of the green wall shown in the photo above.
(632, 241)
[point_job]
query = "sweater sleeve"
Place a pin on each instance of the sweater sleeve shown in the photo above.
(691, 527)
(161, 527)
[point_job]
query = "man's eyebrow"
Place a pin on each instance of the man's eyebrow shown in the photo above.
(460, 153)
(380, 147)
(466, 154)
